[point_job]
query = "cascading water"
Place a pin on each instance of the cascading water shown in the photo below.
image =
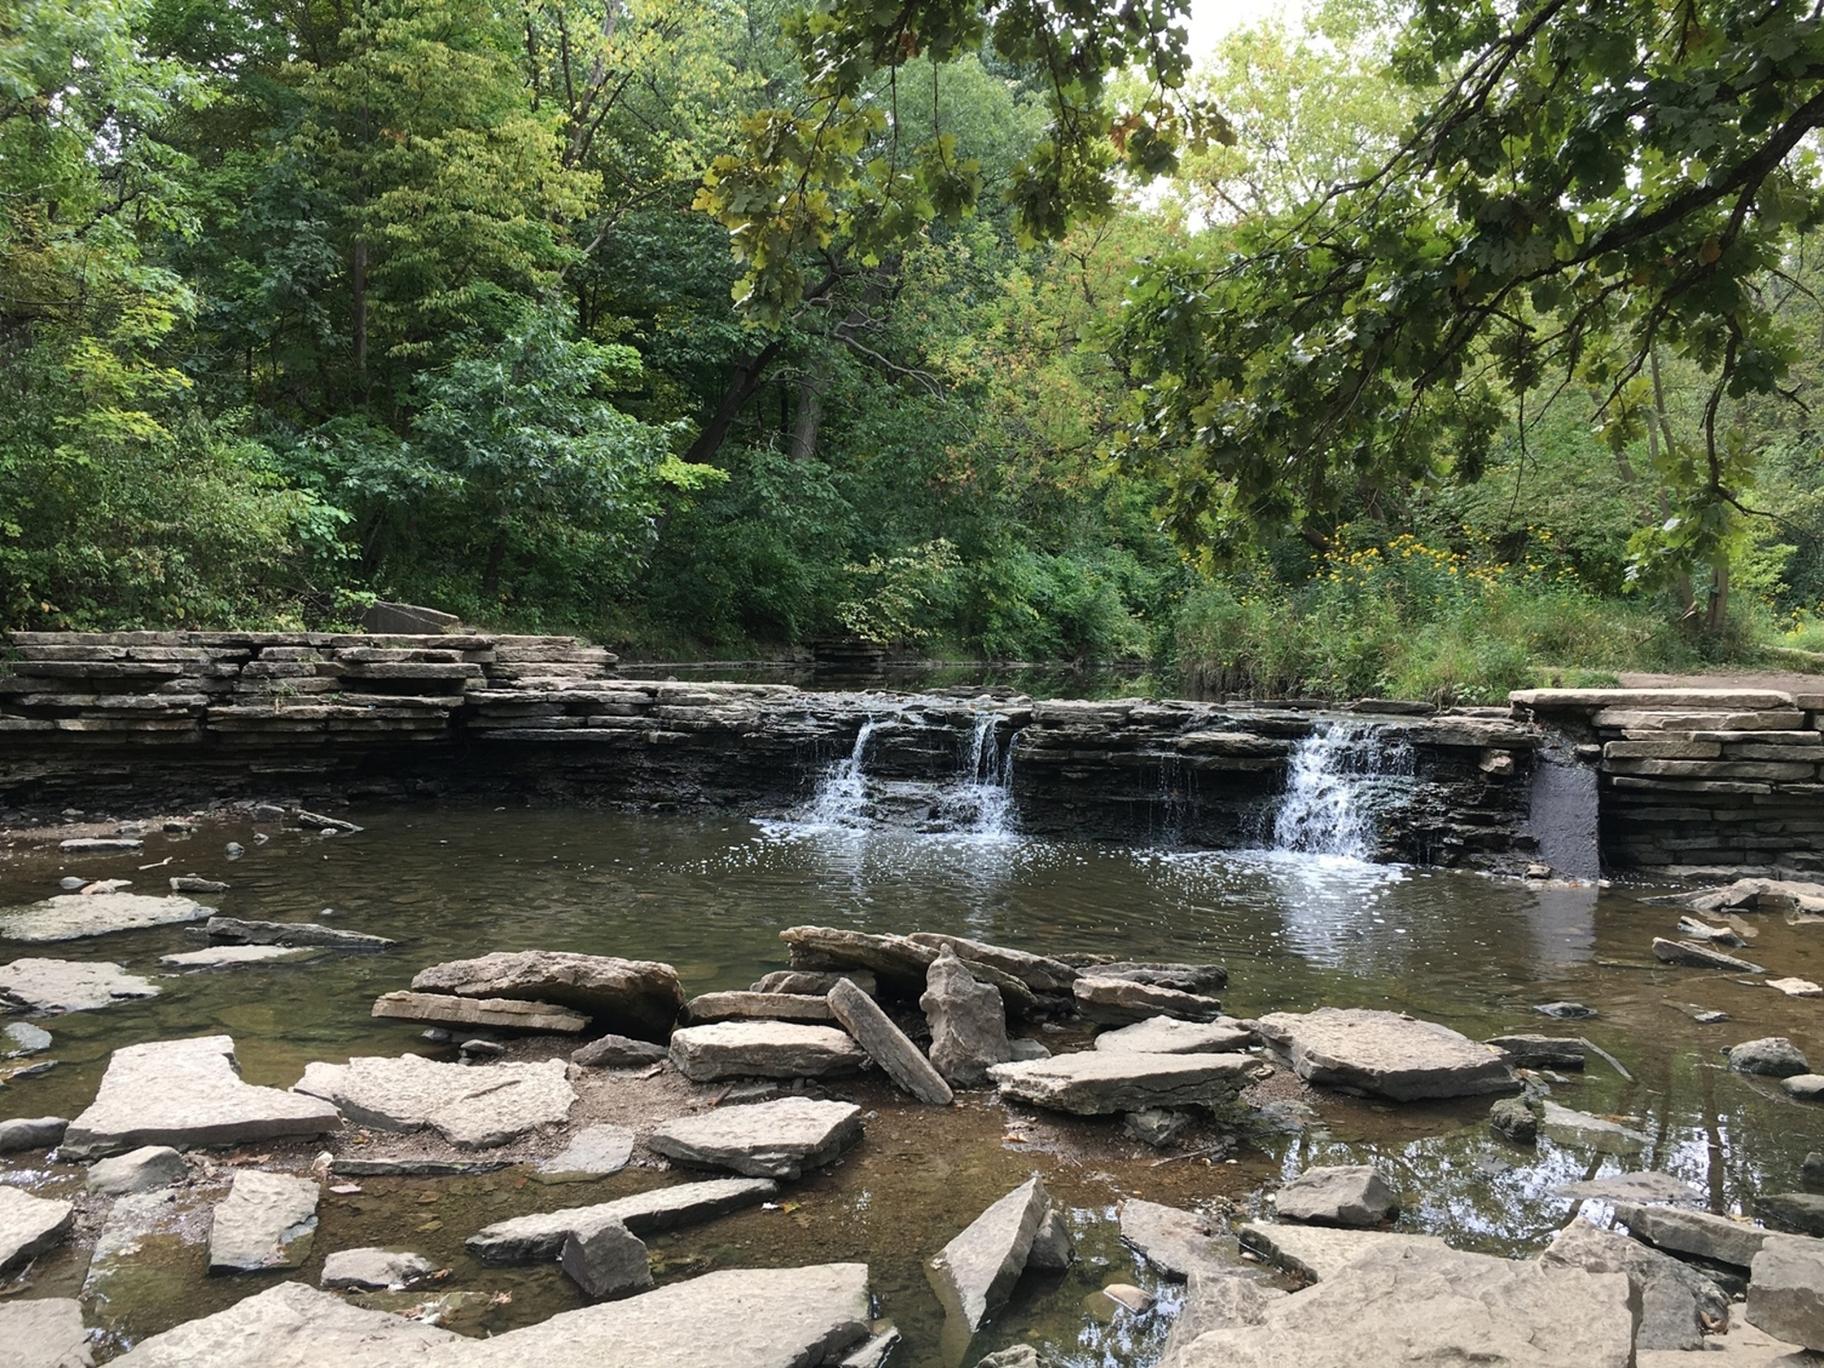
(842, 793)
(1337, 780)
(988, 779)
(975, 802)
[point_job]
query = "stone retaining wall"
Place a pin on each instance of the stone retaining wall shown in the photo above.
(100, 721)
(1700, 778)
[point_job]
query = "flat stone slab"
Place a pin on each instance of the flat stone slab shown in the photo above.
(1697, 1233)
(751, 1317)
(974, 1274)
(296, 1326)
(140, 1170)
(593, 1152)
(511, 1013)
(640, 998)
(539, 1237)
(754, 1318)
(1678, 1303)
(472, 1106)
(72, 916)
(371, 1269)
(1101, 1082)
(187, 1093)
(267, 1220)
(1175, 1242)
(44, 1332)
(763, 1049)
(1386, 1054)
(1571, 1127)
(1337, 1195)
(1541, 1051)
(1647, 1186)
(763, 1140)
(1318, 1252)
(887, 1045)
(1411, 1304)
(1168, 1035)
(239, 931)
(1040, 973)
(29, 1226)
(1700, 956)
(233, 956)
(22, 1038)
(1121, 1001)
(737, 1006)
(54, 985)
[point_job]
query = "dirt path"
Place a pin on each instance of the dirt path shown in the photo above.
(1787, 681)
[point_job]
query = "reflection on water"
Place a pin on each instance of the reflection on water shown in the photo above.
(710, 893)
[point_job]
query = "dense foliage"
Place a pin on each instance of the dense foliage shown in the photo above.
(1437, 346)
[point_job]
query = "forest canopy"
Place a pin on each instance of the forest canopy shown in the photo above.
(1414, 346)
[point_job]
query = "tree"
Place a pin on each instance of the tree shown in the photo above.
(1595, 184)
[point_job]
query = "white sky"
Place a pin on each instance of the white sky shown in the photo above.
(1211, 19)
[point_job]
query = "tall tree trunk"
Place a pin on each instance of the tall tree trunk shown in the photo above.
(1657, 425)
(358, 284)
(490, 572)
(1717, 614)
(743, 380)
(807, 419)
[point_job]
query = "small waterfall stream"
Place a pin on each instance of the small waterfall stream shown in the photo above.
(1337, 780)
(976, 802)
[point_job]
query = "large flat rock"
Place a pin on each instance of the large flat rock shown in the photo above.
(1396, 1306)
(1677, 1302)
(1386, 1054)
(44, 1332)
(539, 1237)
(516, 1014)
(887, 1045)
(1121, 1002)
(267, 1221)
(29, 1226)
(1169, 1035)
(779, 1139)
(54, 985)
(473, 1106)
(736, 1318)
(1102, 1082)
(639, 998)
(239, 931)
(1698, 1234)
(1175, 1242)
(705, 1008)
(974, 1274)
(763, 1049)
(234, 956)
(1318, 1252)
(71, 916)
(187, 1093)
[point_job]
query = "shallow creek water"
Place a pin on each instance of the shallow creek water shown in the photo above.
(709, 893)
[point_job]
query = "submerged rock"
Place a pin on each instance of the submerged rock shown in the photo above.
(1410, 1303)
(29, 1226)
(72, 916)
(472, 1106)
(1177, 1243)
(54, 985)
(1598, 1132)
(1700, 956)
(763, 1140)
(606, 1261)
(539, 1237)
(617, 1052)
(1565, 1011)
(370, 1268)
(1541, 1052)
(1387, 1054)
(1343, 1195)
(1169, 1035)
(763, 1049)
(266, 1221)
(232, 956)
(974, 1274)
(1773, 1057)
(1786, 1290)
(1119, 1002)
(1647, 1186)
(1678, 1304)
(1517, 1118)
(45, 1332)
(1102, 1083)
(516, 1014)
(968, 1022)
(887, 1045)
(22, 1038)
(632, 996)
(140, 1170)
(187, 1093)
(21, 1133)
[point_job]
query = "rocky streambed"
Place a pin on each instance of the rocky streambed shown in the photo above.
(688, 1093)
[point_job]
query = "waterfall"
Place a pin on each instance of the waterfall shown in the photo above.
(987, 779)
(842, 792)
(1338, 778)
